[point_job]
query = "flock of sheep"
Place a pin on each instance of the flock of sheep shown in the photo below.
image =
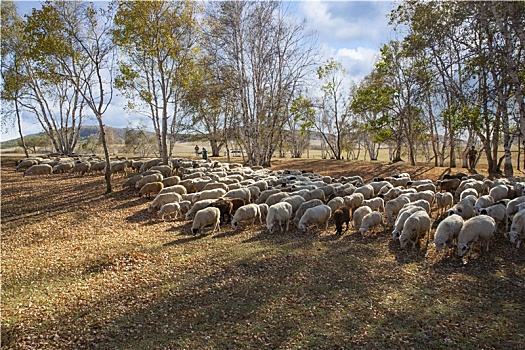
(469, 209)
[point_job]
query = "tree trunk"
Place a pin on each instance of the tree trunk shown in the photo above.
(107, 174)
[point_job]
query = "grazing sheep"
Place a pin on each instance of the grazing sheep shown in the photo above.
(315, 194)
(243, 193)
(447, 232)
(236, 203)
(499, 192)
(401, 181)
(120, 167)
(354, 200)
(63, 168)
(164, 198)
(188, 184)
(276, 198)
(425, 187)
(39, 169)
(393, 206)
(316, 215)
(512, 209)
(375, 203)
(225, 206)
(303, 207)
(418, 182)
(359, 214)
(265, 194)
(151, 188)
(176, 189)
(517, 228)
(264, 210)
(132, 181)
(171, 181)
(447, 185)
(277, 214)
(169, 209)
(420, 203)
(209, 194)
(184, 206)
(26, 164)
(295, 201)
(497, 211)
(370, 221)
(215, 185)
(146, 165)
(477, 229)
(463, 209)
(444, 201)
(402, 216)
(341, 215)
(336, 203)
(468, 192)
(198, 206)
(483, 202)
(429, 196)
(148, 179)
(415, 226)
(384, 190)
(366, 190)
(210, 216)
(377, 185)
(393, 193)
(246, 213)
(81, 167)
(165, 170)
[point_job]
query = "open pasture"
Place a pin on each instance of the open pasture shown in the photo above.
(85, 270)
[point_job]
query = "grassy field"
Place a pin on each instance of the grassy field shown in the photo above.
(85, 270)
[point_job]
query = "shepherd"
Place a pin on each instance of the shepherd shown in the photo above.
(472, 154)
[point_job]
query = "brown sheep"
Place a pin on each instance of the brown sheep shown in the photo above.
(225, 207)
(151, 188)
(448, 185)
(341, 215)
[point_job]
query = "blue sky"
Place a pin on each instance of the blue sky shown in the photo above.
(349, 31)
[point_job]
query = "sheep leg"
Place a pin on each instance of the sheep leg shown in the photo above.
(287, 225)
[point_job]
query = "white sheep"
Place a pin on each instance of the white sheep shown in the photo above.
(148, 179)
(276, 198)
(26, 164)
(119, 167)
(171, 181)
(264, 210)
(316, 215)
(512, 209)
(497, 211)
(165, 170)
(359, 214)
(303, 207)
(265, 194)
(181, 190)
(315, 194)
(415, 226)
(447, 232)
(444, 201)
(163, 198)
(132, 181)
(243, 193)
(81, 167)
(151, 188)
(354, 200)
(464, 209)
(420, 203)
(483, 202)
(370, 221)
(246, 213)
(499, 192)
(402, 216)
(468, 192)
(277, 214)
(295, 201)
(63, 168)
(429, 196)
(198, 206)
(477, 229)
(366, 190)
(336, 203)
(184, 206)
(393, 206)
(517, 228)
(169, 209)
(206, 217)
(209, 194)
(39, 169)
(375, 203)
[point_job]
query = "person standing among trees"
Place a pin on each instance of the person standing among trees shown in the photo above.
(196, 150)
(472, 154)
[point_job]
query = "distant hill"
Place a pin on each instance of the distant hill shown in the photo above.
(85, 132)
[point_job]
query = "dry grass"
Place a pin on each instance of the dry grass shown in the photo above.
(81, 269)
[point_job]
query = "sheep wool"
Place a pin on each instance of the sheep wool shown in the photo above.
(277, 214)
(316, 215)
(170, 210)
(359, 214)
(371, 221)
(206, 217)
(151, 188)
(415, 226)
(249, 212)
(447, 232)
(39, 169)
(477, 229)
